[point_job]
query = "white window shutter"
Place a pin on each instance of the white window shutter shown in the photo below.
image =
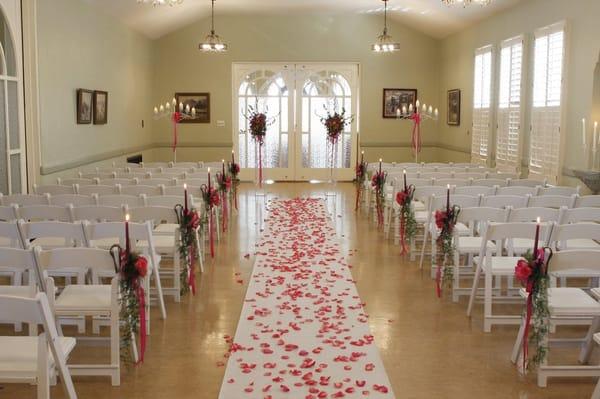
(509, 112)
(546, 115)
(482, 99)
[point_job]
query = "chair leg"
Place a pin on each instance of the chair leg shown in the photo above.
(217, 223)
(456, 284)
(474, 288)
(423, 245)
(487, 304)
(177, 275)
(588, 347)
(199, 254)
(518, 342)
(43, 366)
(596, 393)
(161, 297)
(115, 356)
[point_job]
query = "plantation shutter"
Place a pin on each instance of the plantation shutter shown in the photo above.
(546, 115)
(509, 113)
(482, 98)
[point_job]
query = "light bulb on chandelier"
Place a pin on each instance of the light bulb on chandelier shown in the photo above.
(385, 43)
(466, 3)
(161, 2)
(212, 42)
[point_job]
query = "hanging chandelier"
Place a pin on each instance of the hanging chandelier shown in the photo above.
(465, 3)
(385, 43)
(212, 42)
(161, 2)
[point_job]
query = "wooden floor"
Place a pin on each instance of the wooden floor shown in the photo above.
(429, 347)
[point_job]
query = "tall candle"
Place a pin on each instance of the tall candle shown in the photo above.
(181, 107)
(232, 156)
(583, 131)
(418, 104)
(405, 186)
(380, 165)
(448, 198)
(209, 179)
(185, 194)
(410, 108)
(127, 246)
(362, 156)
(537, 237)
(223, 171)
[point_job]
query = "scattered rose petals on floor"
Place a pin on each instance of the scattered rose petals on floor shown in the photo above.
(303, 331)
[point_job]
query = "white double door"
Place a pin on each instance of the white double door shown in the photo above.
(295, 97)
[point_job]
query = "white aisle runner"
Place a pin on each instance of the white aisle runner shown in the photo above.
(303, 333)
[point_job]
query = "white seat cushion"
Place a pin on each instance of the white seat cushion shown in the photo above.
(162, 244)
(51, 242)
(569, 302)
(18, 355)
(502, 265)
(78, 297)
(473, 245)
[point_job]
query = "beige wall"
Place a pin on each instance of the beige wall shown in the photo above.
(79, 47)
(295, 38)
(583, 46)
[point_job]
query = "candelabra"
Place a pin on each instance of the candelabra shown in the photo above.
(417, 114)
(176, 114)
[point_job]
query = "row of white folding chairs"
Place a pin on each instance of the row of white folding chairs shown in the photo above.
(467, 180)
(199, 179)
(134, 199)
(193, 186)
(143, 174)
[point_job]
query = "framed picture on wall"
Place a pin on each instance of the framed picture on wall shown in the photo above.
(84, 106)
(395, 99)
(453, 114)
(100, 107)
(200, 101)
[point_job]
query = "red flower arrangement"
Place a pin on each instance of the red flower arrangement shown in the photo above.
(335, 124)
(445, 220)
(189, 223)
(211, 199)
(359, 181)
(258, 123)
(378, 182)
(532, 272)
(132, 269)
(408, 223)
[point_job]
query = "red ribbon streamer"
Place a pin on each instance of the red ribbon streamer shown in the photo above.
(379, 210)
(404, 249)
(530, 287)
(416, 133)
(192, 272)
(224, 200)
(438, 281)
(211, 230)
(357, 198)
(142, 314)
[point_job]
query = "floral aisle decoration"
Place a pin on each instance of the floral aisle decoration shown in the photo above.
(334, 123)
(132, 269)
(189, 222)
(234, 171)
(378, 183)
(211, 199)
(408, 223)
(532, 272)
(257, 124)
(361, 176)
(224, 186)
(445, 221)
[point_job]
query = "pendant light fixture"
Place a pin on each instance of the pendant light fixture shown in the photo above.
(465, 3)
(385, 43)
(212, 43)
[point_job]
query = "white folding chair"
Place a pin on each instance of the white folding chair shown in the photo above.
(577, 215)
(489, 182)
(475, 218)
(140, 189)
(85, 300)
(158, 182)
(8, 213)
(43, 212)
(588, 201)
(557, 190)
(552, 201)
(97, 189)
(499, 266)
(34, 360)
(119, 200)
(99, 213)
(53, 189)
(16, 262)
(121, 181)
(568, 306)
(527, 182)
(470, 176)
(503, 201)
(24, 199)
(520, 191)
(72, 199)
(106, 234)
(475, 190)
(439, 202)
(519, 246)
(79, 181)
(452, 182)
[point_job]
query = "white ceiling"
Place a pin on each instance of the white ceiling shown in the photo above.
(428, 16)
